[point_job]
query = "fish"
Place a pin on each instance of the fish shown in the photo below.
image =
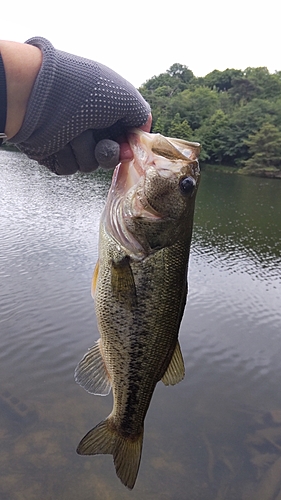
(139, 287)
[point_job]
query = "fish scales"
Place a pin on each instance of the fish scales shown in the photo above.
(140, 288)
(147, 336)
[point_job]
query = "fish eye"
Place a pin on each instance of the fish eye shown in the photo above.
(187, 185)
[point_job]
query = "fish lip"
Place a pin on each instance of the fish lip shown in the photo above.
(128, 173)
(184, 150)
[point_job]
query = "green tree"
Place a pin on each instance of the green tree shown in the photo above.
(194, 106)
(212, 137)
(243, 90)
(265, 148)
(222, 110)
(222, 80)
(176, 79)
(180, 129)
(255, 83)
(183, 73)
(242, 122)
(268, 86)
(159, 127)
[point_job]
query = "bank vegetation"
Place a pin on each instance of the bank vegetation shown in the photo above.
(234, 114)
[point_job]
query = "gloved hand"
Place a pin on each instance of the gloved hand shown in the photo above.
(74, 104)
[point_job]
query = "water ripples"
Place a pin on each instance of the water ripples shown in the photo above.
(230, 333)
(49, 231)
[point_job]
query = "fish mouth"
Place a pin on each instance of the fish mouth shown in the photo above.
(126, 176)
(168, 148)
(149, 150)
(127, 199)
(129, 173)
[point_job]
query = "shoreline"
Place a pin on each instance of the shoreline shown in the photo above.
(266, 173)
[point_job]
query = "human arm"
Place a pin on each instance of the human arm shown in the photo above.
(66, 106)
(22, 63)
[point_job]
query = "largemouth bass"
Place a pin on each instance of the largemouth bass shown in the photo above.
(140, 287)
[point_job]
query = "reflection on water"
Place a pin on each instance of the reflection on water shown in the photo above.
(216, 435)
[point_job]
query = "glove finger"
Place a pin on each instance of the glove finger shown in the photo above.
(83, 154)
(107, 153)
(65, 162)
(83, 147)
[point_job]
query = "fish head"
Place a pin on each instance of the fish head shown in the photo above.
(151, 200)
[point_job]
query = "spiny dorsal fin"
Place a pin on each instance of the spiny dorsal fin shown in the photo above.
(123, 283)
(91, 373)
(175, 371)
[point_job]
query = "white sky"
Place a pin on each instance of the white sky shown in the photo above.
(140, 39)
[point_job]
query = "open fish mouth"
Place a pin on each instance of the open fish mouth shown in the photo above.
(128, 174)
(125, 176)
(155, 157)
(150, 150)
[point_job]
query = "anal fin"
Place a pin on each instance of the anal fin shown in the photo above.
(91, 372)
(175, 371)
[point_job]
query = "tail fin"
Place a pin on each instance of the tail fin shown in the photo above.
(103, 439)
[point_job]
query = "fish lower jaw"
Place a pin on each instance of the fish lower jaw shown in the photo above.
(116, 228)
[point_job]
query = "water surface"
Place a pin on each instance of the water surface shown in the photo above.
(217, 434)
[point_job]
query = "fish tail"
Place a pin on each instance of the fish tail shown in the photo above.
(105, 439)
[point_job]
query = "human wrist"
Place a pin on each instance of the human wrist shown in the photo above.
(22, 63)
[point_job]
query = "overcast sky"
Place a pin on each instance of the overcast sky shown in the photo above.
(140, 39)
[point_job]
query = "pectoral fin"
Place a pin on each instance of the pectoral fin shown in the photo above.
(123, 283)
(175, 371)
(91, 373)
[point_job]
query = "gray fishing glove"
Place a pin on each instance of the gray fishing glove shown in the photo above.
(74, 104)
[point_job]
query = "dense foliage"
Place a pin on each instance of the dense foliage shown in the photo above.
(234, 114)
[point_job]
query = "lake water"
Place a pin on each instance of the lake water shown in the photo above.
(214, 436)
